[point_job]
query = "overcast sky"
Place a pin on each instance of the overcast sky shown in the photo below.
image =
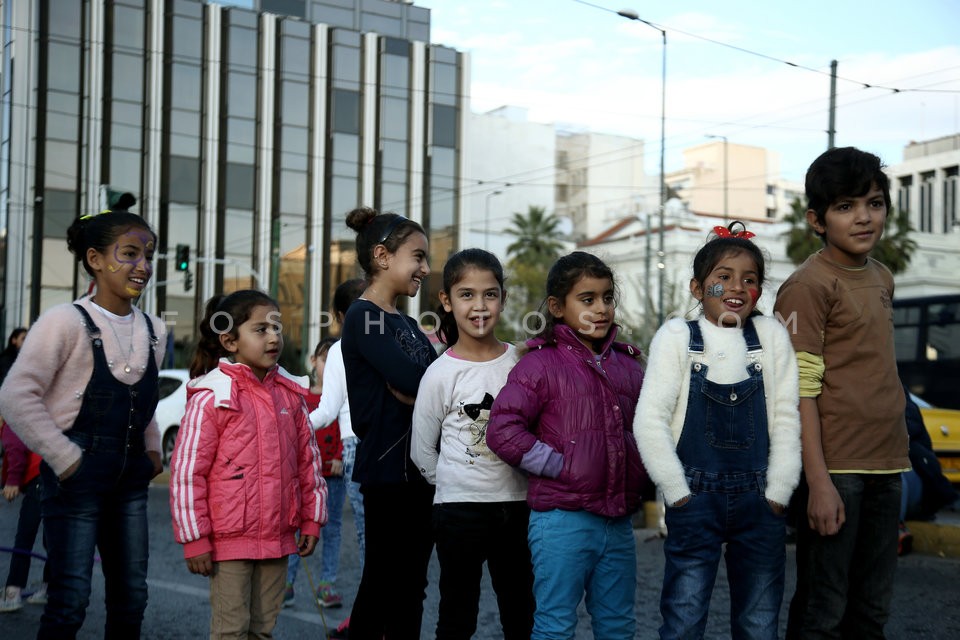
(578, 63)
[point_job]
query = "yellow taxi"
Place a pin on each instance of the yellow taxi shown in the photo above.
(943, 425)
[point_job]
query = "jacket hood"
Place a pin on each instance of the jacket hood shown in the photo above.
(221, 380)
(563, 334)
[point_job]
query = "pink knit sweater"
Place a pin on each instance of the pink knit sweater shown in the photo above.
(42, 394)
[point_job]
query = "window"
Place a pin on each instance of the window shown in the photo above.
(926, 201)
(187, 39)
(345, 107)
(239, 189)
(241, 95)
(903, 193)
(951, 214)
(185, 86)
(127, 28)
(63, 67)
(184, 183)
(296, 103)
(444, 126)
(286, 7)
(127, 77)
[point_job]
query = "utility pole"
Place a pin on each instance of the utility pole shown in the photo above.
(832, 126)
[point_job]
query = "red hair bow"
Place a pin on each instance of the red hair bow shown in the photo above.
(723, 232)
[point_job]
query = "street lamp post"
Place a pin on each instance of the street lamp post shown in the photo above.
(486, 219)
(726, 177)
(630, 14)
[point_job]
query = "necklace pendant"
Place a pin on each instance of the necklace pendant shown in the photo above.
(126, 369)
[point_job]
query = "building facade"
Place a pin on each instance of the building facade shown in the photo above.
(246, 133)
(599, 179)
(508, 168)
(734, 182)
(926, 185)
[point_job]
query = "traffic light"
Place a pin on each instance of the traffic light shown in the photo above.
(183, 257)
(188, 281)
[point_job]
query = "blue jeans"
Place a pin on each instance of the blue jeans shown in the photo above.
(28, 524)
(575, 552)
(338, 487)
(353, 493)
(102, 506)
(845, 581)
(329, 534)
(755, 559)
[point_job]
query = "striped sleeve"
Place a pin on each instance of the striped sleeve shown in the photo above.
(197, 442)
(313, 488)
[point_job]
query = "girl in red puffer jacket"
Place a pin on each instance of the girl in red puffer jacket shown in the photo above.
(246, 471)
(565, 417)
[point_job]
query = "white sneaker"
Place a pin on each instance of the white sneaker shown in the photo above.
(39, 596)
(11, 600)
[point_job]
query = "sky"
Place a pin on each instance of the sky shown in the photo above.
(755, 72)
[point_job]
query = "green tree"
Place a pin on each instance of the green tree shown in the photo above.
(537, 246)
(894, 250)
(537, 237)
(802, 241)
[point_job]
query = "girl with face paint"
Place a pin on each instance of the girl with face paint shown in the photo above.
(718, 428)
(82, 396)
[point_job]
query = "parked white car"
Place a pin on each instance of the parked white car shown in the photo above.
(170, 409)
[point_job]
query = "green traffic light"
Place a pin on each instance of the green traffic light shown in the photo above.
(182, 257)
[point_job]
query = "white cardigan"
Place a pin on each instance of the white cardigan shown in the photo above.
(662, 407)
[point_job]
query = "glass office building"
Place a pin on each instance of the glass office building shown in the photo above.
(246, 129)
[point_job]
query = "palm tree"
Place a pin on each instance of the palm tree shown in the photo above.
(538, 238)
(802, 241)
(894, 249)
(537, 246)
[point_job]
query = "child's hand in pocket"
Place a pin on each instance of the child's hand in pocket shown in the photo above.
(682, 501)
(778, 508)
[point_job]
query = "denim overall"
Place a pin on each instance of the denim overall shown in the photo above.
(103, 504)
(724, 448)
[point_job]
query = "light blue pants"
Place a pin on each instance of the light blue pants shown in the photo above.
(576, 552)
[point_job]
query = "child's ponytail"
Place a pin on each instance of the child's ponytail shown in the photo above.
(223, 314)
(208, 351)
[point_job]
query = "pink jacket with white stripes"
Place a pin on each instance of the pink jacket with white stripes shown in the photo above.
(245, 474)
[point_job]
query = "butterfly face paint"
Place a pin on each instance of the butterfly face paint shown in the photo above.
(132, 260)
(714, 291)
(733, 295)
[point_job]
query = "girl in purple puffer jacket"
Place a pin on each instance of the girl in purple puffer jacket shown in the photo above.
(565, 417)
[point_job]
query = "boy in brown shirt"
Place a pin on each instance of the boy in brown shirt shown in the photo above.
(837, 308)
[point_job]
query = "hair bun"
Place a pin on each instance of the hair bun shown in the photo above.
(361, 217)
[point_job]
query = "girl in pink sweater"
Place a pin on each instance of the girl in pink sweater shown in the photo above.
(82, 395)
(246, 471)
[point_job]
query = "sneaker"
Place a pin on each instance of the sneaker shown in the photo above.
(904, 540)
(288, 595)
(39, 596)
(11, 600)
(342, 631)
(327, 596)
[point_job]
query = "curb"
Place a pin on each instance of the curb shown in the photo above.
(936, 539)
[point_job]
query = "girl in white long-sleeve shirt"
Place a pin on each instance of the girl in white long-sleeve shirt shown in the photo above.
(718, 428)
(334, 406)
